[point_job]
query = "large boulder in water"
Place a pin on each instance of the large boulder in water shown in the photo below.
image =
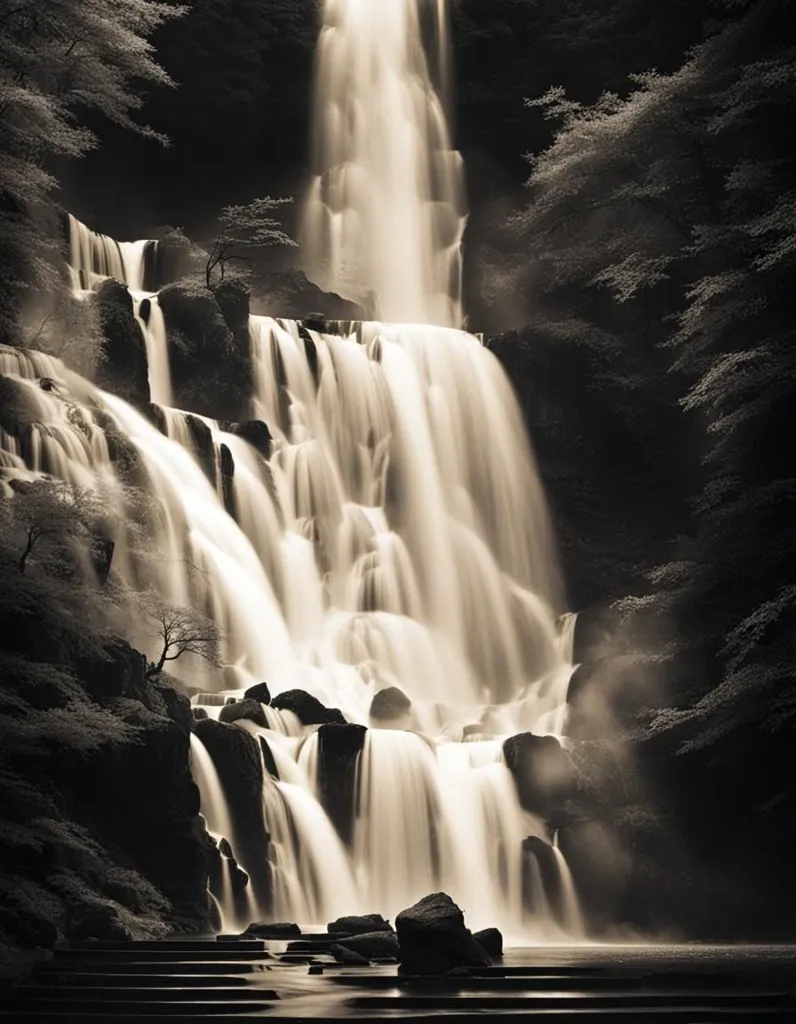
(373, 945)
(339, 750)
(360, 924)
(256, 433)
(543, 773)
(491, 941)
(246, 708)
(232, 296)
(343, 955)
(124, 371)
(390, 705)
(259, 692)
(239, 765)
(433, 938)
(305, 707)
(541, 878)
(273, 930)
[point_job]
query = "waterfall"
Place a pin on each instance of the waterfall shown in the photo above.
(94, 257)
(385, 213)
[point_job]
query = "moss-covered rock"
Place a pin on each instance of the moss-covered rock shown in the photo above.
(210, 364)
(124, 370)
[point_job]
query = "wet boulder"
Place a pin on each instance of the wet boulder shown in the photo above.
(305, 707)
(239, 765)
(259, 692)
(373, 945)
(390, 704)
(256, 433)
(343, 955)
(199, 714)
(491, 941)
(268, 758)
(246, 708)
(339, 750)
(433, 938)
(543, 773)
(273, 930)
(124, 370)
(360, 924)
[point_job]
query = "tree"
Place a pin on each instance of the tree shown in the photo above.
(244, 227)
(69, 329)
(59, 516)
(63, 64)
(180, 631)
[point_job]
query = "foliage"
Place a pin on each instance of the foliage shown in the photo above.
(66, 327)
(244, 227)
(53, 516)
(665, 219)
(63, 65)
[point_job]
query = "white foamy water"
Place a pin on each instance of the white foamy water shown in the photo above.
(385, 213)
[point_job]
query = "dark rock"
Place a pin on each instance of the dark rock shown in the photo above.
(596, 632)
(124, 370)
(334, 716)
(227, 470)
(278, 930)
(232, 296)
(339, 750)
(360, 925)
(199, 714)
(258, 692)
(246, 708)
(97, 921)
(237, 760)
(373, 945)
(268, 758)
(175, 256)
(543, 772)
(390, 703)
(490, 940)
(433, 938)
(256, 433)
(290, 293)
(305, 707)
(343, 955)
(225, 849)
(210, 364)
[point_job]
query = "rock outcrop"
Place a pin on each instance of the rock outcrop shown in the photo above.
(433, 938)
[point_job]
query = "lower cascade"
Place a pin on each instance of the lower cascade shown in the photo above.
(385, 565)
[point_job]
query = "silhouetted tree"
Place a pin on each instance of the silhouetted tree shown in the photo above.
(244, 227)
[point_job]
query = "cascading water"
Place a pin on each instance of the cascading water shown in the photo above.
(385, 214)
(395, 536)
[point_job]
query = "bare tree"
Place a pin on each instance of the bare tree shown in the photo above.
(244, 227)
(182, 631)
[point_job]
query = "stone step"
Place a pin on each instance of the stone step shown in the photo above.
(172, 945)
(189, 1008)
(104, 994)
(667, 1015)
(159, 954)
(137, 966)
(533, 1002)
(94, 979)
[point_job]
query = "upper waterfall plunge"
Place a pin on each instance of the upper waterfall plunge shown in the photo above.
(385, 213)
